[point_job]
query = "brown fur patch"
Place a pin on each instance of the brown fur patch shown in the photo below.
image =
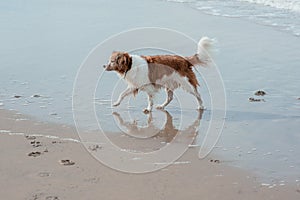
(120, 62)
(161, 65)
(194, 60)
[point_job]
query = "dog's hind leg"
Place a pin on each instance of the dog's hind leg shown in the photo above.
(193, 90)
(198, 97)
(168, 99)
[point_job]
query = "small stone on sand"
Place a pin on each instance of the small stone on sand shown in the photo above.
(260, 93)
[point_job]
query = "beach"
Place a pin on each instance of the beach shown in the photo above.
(43, 176)
(42, 155)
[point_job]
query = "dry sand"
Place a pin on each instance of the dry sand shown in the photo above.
(45, 176)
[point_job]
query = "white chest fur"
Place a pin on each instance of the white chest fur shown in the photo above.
(137, 76)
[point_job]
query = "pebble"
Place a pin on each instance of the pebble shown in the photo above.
(260, 93)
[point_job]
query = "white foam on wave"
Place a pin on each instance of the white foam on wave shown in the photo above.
(283, 15)
(293, 5)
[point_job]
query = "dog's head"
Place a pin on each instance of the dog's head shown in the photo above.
(119, 62)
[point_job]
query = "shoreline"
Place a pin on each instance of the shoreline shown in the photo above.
(48, 177)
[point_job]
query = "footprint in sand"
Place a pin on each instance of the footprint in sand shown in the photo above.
(251, 99)
(215, 161)
(41, 196)
(30, 137)
(34, 154)
(35, 143)
(66, 162)
(52, 198)
(44, 174)
(95, 147)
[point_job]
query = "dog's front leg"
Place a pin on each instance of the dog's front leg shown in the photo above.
(150, 104)
(124, 94)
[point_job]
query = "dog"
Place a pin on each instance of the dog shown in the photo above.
(151, 73)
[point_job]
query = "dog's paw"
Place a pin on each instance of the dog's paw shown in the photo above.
(146, 111)
(116, 104)
(201, 108)
(160, 107)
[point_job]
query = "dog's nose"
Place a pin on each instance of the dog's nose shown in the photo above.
(104, 66)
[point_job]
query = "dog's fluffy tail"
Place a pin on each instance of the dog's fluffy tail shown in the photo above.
(203, 56)
(204, 52)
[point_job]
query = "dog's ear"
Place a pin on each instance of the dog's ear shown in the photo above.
(122, 59)
(125, 58)
(117, 58)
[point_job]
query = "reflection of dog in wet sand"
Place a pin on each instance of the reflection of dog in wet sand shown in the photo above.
(150, 73)
(168, 132)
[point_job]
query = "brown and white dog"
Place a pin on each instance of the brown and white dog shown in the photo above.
(150, 73)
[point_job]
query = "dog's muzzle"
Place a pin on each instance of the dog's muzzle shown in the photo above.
(107, 68)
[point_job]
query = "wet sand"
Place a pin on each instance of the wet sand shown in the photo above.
(65, 170)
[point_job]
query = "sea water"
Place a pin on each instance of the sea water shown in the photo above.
(283, 15)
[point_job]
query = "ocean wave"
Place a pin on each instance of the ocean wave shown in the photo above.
(293, 5)
(283, 15)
